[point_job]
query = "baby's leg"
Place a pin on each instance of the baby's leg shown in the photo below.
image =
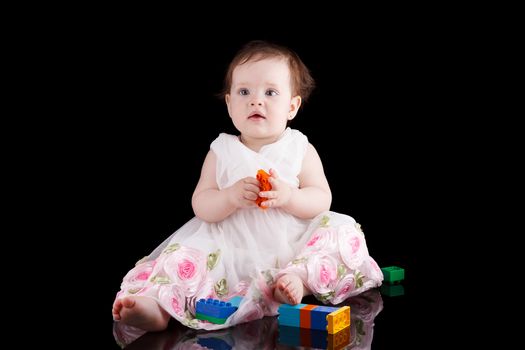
(141, 312)
(289, 289)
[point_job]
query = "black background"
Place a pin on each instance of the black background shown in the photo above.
(139, 111)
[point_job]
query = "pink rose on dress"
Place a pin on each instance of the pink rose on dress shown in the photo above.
(322, 273)
(312, 241)
(352, 246)
(344, 288)
(172, 299)
(137, 277)
(322, 239)
(186, 267)
(372, 271)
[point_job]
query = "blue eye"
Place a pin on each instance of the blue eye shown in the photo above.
(244, 92)
(272, 93)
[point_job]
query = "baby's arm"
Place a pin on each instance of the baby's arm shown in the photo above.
(212, 204)
(313, 195)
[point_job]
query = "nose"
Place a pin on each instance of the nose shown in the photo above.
(256, 101)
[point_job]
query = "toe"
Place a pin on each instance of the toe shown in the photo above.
(128, 302)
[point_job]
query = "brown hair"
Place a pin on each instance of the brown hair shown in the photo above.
(302, 81)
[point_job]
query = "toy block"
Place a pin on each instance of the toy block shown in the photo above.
(392, 290)
(325, 318)
(290, 315)
(305, 319)
(210, 318)
(319, 315)
(338, 320)
(393, 274)
(216, 311)
(235, 301)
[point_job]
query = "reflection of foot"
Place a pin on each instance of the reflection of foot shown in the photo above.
(289, 289)
(141, 312)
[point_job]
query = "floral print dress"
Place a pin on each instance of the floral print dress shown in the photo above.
(246, 253)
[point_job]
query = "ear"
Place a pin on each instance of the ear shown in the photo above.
(295, 103)
(227, 99)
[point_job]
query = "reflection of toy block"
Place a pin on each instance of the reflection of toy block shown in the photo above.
(326, 318)
(338, 320)
(289, 335)
(392, 290)
(214, 343)
(393, 274)
(313, 338)
(216, 311)
(339, 340)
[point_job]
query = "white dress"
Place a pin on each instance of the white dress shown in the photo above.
(245, 253)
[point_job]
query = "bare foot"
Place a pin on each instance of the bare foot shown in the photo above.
(289, 289)
(141, 312)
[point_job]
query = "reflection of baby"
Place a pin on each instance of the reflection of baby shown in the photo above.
(258, 334)
(363, 310)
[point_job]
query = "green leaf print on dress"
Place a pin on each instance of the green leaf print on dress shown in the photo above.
(221, 288)
(358, 279)
(341, 271)
(171, 248)
(325, 297)
(325, 221)
(160, 280)
(213, 258)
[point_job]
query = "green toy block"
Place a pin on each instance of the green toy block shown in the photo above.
(393, 274)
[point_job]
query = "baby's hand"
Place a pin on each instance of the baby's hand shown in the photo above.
(264, 185)
(279, 195)
(244, 192)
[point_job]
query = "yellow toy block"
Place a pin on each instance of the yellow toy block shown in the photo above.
(338, 320)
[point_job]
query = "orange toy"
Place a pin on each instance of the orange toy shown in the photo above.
(264, 185)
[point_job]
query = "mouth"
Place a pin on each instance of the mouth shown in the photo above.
(256, 116)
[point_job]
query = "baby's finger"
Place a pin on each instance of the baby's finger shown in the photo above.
(252, 188)
(251, 180)
(268, 194)
(268, 204)
(249, 203)
(251, 196)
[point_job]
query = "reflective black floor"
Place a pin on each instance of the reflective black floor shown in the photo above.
(379, 319)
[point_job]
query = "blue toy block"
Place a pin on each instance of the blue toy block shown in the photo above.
(289, 315)
(214, 309)
(318, 316)
(235, 301)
